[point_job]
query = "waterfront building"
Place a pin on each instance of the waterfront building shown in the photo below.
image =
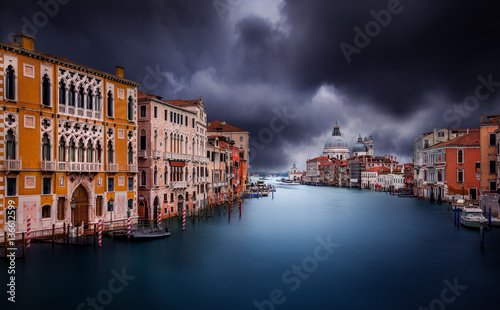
(449, 168)
(390, 180)
(336, 145)
(369, 177)
(237, 168)
(357, 164)
(240, 137)
(408, 177)
(172, 155)
(488, 166)
(425, 141)
(68, 137)
(313, 169)
(218, 169)
(332, 174)
(294, 174)
(344, 173)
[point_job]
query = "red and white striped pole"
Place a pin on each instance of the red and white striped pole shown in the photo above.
(158, 217)
(184, 219)
(99, 233)
(28, 235)
(128, 224)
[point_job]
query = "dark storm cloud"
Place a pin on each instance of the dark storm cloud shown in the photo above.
(422, 64)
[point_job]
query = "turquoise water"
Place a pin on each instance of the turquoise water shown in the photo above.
(384, 252)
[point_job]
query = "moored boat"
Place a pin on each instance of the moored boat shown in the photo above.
(472, 217)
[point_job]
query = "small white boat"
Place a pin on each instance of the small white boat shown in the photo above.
(472, 217)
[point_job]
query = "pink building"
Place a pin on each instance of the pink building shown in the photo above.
(171, 155)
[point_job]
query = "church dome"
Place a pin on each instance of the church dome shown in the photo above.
(336, 142)
(360, 146)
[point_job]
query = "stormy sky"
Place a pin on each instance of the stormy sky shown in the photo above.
(286, 70)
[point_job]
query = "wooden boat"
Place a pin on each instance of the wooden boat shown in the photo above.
(151, 234)
(143, 231)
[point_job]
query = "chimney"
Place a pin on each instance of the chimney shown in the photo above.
(481, 118)
(25, 41)
(119, 71)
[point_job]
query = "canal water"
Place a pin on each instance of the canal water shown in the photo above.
(308, 248)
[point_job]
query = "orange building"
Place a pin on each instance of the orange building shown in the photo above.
(488, 169)
(449, 168)
(68, 134)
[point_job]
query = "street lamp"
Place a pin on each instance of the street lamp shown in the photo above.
(72, 205)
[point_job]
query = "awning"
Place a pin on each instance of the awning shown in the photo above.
(174, 163)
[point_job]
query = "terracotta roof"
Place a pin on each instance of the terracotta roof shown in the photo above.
(492, 120)
(465, 130)
(378, 169)
(142, 95)
(176, 102)
(218, 126)
(470, 139)
(183, 103)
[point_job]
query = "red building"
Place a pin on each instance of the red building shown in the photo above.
(450, 168)
(408, 177)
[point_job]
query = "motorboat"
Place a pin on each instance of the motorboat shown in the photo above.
(472, 217)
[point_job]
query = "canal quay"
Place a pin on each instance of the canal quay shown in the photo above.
(306, 248)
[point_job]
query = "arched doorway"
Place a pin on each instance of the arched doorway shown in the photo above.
(143, 211)
(180, 204)
(81, 211)
(156, 203)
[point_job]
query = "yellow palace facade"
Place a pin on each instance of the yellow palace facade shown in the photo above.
(68, 140)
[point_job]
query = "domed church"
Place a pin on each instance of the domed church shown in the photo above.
(336, 146)
(363, 147)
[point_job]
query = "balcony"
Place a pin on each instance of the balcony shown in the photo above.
(48, 165)
(142, 154)
(156, 154)
(13, 164)
(180, 184)
(177, 156)
(204, 160)
(79, 167)
(61, 166)
(219, 184)
(113, 168)
(203, 179)
(132, 168)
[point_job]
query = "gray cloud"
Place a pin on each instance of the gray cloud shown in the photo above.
(426, 60)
